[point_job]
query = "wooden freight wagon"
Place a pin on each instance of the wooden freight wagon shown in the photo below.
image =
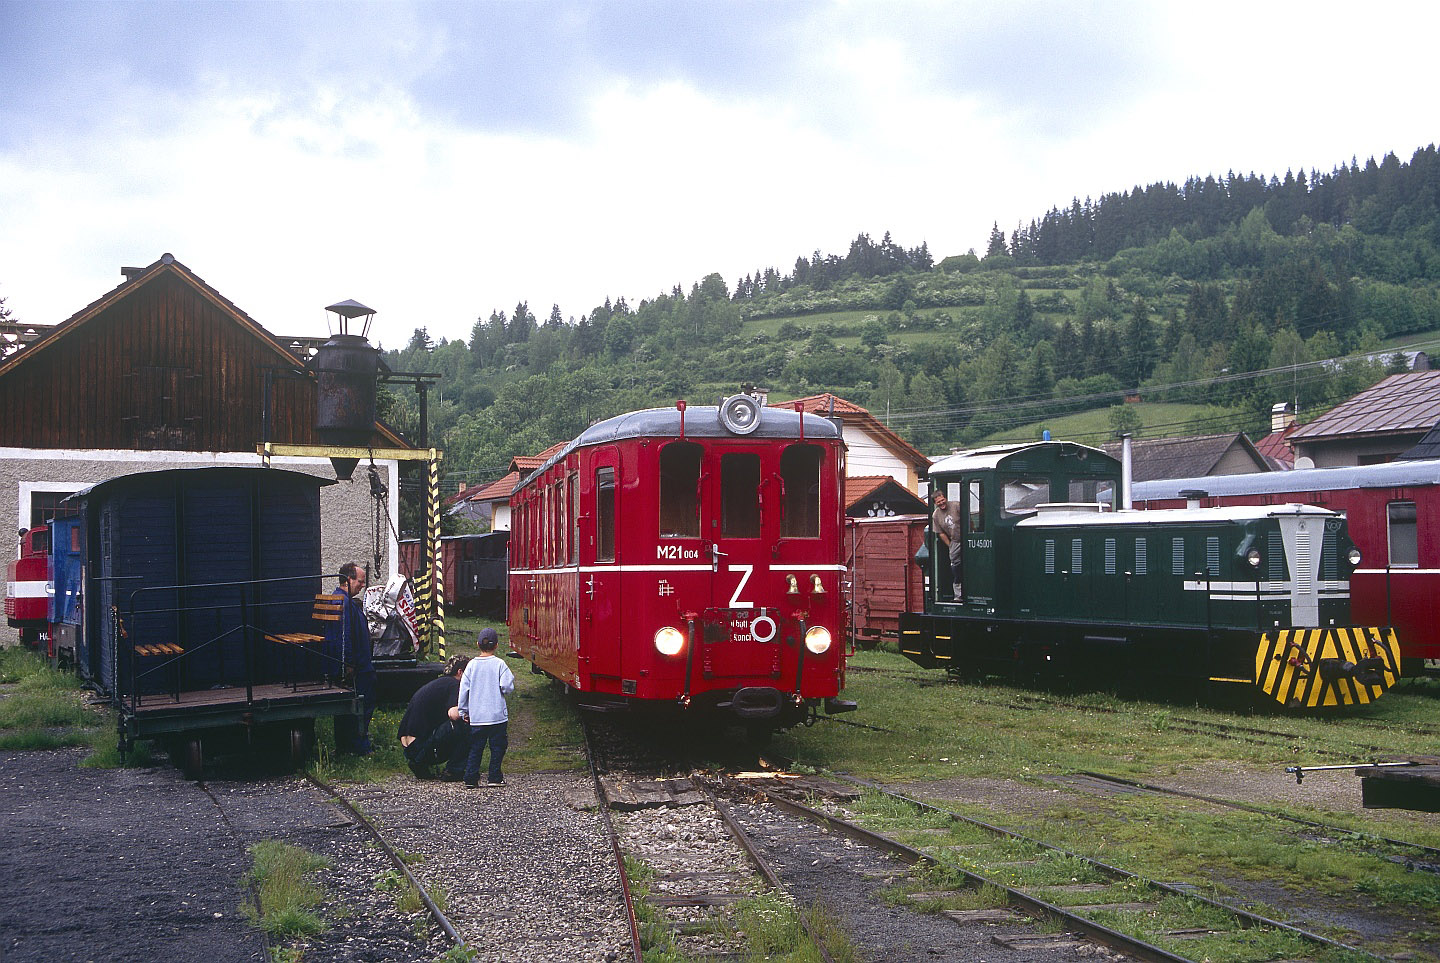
(884, 579)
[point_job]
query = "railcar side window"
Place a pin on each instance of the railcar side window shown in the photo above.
(740, 495)
(1019, 496)
(1092, 490)
(800, 474)
(572, 485)
(976, 506)
(1404, 543)
(679, 490)
(605, 514)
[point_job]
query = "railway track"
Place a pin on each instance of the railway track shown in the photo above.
(1144, 919)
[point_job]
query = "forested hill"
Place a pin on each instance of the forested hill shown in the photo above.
(1176, 291)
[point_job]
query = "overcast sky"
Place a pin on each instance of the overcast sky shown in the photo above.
(438, 161)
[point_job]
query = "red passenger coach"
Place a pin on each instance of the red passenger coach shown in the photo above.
(1393, 513)
(689, 558)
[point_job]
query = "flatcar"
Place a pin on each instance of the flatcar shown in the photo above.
(1392, 511)
(25, 588)
(1053, 579)
(201, 614)
(689, 558)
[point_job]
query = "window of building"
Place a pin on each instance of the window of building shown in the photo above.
(605, 514)
(740, 495)
(1404, 535)
(680, 490)
(800, 476)
(45, 505)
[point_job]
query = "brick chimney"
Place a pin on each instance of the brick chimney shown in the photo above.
(1281, 417)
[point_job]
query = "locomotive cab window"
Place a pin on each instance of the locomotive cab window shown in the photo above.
(800, 478)
(740, 495)
(1020, 495)
(1404, 541)
(679, 490)
(976, 506)
(605, 514)
(1098, 491)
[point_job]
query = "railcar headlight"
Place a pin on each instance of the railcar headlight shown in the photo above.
(669, 641)
(817, 640)
(1253, 557)
(1354, 556)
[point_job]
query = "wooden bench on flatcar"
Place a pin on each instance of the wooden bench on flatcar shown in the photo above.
(328, 606)
(326, 611)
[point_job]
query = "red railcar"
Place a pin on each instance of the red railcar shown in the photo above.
(26, 581)
(1393, 511)
(690, 558)
(884, 579)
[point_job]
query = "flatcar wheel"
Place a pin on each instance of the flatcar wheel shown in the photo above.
(302, 742)
(192, 758)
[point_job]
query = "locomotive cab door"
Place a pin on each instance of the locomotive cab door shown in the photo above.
(976, 573)
(742, 490)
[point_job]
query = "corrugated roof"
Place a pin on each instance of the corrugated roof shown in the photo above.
(1401, 403)
(1183, 455)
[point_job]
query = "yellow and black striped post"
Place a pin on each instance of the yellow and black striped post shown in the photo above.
(1309, 668)
(435, 563)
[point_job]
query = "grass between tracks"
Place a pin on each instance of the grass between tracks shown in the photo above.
(284, 896)
(999, 748)
(768, 927)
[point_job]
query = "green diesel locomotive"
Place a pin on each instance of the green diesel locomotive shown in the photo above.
(1051, 577)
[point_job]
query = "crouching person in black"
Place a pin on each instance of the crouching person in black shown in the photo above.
(432, 730)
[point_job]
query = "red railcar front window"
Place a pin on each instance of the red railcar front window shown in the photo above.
(680, 490)
(800, 473)
(740, 495)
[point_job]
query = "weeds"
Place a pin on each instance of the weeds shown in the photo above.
(284, 897)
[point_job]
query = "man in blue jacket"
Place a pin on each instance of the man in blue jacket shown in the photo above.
(355, 650)
(483, 688)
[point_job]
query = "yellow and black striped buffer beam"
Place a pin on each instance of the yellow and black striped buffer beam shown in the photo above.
(1312, 668)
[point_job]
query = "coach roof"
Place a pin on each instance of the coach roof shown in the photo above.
(701, 421)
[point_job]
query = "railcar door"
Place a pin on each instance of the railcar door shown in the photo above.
(600, 579)
(747, 498)
(976, 572)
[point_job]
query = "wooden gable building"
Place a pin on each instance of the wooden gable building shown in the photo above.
(164, 372)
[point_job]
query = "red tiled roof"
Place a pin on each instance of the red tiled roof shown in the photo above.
(858, 486)
(1276, 447)
(496, 489)
(1400, 404)
(525, 464)
(828, 404)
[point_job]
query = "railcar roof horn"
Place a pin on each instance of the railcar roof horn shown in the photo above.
(740, 414)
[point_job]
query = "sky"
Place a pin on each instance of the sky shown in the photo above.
(440, 161)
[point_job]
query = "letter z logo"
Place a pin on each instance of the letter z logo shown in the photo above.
(736, 602)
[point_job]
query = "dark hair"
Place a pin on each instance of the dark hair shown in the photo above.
(348, 570)
(454, 664)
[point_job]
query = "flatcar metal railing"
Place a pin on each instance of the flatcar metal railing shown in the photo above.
(314, 666)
